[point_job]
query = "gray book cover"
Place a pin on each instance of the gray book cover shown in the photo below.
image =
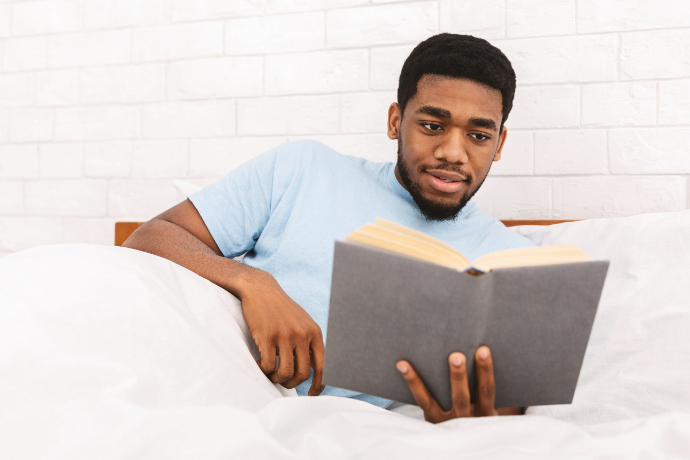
(385, 307)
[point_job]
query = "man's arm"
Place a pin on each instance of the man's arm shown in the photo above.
(278, 325)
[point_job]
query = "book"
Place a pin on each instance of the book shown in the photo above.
(400, 294)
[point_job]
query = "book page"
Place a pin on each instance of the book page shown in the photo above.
(402, 248)
(408, 242)
(529, 257)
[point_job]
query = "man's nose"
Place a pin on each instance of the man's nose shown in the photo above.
(453, 148)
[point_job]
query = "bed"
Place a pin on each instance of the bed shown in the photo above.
(107, 352)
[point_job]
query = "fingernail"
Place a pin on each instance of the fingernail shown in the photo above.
(483, 353)
(456, 359)
(402, 367)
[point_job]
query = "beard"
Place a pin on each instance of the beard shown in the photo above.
(431, 209)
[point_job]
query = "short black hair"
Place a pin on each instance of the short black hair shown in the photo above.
(458, 56)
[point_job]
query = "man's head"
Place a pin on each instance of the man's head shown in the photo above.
(454, 95)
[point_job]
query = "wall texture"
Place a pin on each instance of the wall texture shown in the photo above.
(103, 103)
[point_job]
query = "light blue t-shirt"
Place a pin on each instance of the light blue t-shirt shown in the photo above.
(287, 207)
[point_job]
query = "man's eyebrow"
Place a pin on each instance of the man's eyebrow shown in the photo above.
(487, 123)
(437, 112)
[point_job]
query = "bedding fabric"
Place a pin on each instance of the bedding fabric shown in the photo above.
(638, 357)
(113, 353)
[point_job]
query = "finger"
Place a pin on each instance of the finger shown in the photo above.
(424, 400)
(267, 363)
(286, 366)
(459, 387)
(486, 387)
(317, 354)
(301, 367)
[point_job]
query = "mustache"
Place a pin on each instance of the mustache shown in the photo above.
(447, 167)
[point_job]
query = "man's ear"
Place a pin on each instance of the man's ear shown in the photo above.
(501, 141)
(394, 119)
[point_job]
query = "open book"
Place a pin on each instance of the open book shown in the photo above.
(400, 294)
(397, 238)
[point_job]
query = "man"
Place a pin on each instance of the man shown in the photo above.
(285, 209)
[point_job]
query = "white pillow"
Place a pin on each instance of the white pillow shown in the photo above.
(638, 359)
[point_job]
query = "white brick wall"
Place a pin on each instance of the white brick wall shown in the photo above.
(104, 103)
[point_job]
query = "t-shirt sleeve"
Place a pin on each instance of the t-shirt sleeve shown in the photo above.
(237, 207)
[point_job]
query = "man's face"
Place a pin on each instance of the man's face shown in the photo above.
(447, 139)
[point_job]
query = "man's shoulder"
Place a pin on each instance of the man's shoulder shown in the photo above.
(493, 229)
(307, 149)
(305, 155)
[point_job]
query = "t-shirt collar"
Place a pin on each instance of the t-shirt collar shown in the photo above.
(395, 186)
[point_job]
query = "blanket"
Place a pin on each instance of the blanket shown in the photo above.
(112, 353)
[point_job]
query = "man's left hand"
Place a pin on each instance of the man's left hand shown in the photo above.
(459, 387)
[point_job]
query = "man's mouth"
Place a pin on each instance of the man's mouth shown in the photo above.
(445, 181)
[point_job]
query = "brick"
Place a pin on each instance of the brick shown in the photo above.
(288, 115)
(108, 159)
(381, 25)
(570, 152)
(617, 196)
(621, 15)
(517, 156)
(91, 48)
(27, 53)
(89, 231)
(4, 20)
(94, 123)
(136, 83)
(674, 102)
(533, 18)
(275, 34)
(160, 158)
(655, 54)
(216, 157)
(374, 147)
(16, 89)
(317, 72)
(61, 160)
(123, 13)
(281, 6)
(516, 197)
(650, 151)
(4, 124)
(584, 58)
(365, 112)
(47, 16)
(545, 107)
(20, 233)
(214, 78)
(11, 198)
(139, 199)
(189, 119)
(18, 161)
(30, 125)
(184, 10)
(79, 198)
(56, 87)
(619, 104)
(386, 64)
(480, 18)
(177, 41)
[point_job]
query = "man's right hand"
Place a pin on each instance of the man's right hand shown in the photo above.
(278, 325)
(281, 327)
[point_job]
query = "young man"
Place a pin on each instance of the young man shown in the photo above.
(285, 209)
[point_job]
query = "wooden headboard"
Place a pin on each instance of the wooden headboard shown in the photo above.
(124, 229)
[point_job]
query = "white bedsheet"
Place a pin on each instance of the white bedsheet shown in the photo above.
(113, 353)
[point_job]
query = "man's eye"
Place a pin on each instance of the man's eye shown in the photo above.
(432, 126)
(480, 137)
